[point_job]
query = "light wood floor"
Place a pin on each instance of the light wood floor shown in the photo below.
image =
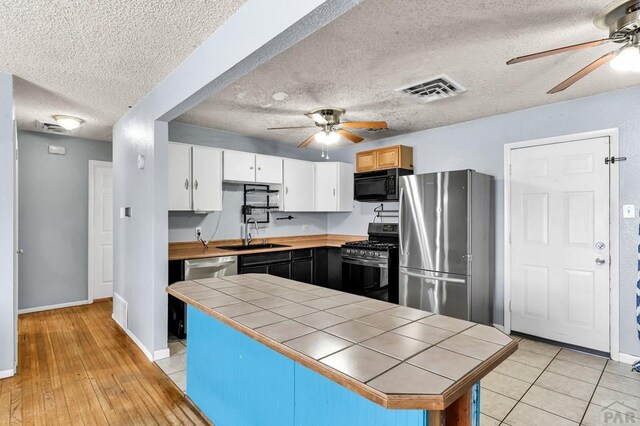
(76, 366)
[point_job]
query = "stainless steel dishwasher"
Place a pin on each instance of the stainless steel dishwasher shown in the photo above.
(197, 269)
(210, 267)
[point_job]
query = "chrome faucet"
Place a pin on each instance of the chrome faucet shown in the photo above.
(247, 235)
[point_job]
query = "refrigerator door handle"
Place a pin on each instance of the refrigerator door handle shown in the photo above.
(400, 201)
(434, 278)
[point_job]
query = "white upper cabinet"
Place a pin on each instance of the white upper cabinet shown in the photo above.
(297, 186)
(333, 187)
(207, 179)
(252, 168)
(195, 178)
(179, 176)
(268, 169)
(239, 166)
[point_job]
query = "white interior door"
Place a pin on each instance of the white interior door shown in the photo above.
(101, 235)
(559, 215)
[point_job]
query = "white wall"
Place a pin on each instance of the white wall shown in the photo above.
(140, 242)
(479, 145)
(7, 234)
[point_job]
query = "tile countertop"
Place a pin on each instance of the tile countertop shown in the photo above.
(195, 250)
(395, 356)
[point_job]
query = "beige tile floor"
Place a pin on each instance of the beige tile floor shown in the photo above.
(543, 384)
(176, 365)
(539, 385)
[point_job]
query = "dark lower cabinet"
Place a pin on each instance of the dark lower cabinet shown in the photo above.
(278, 264)
(296, 265)
(328, 267)
(302, 270)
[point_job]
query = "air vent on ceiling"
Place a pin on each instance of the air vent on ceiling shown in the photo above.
(50, 127)
(439, 87)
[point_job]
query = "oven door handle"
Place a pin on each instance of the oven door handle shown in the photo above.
(360, 262)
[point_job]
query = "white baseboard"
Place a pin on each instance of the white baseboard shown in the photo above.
(133, 337)
(161, 354)
(50, 307)
(499, 327)
(628, 359)
(7, 373)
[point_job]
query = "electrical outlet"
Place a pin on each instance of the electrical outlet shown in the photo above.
(305, 228)
(629, 211)
(198, 231)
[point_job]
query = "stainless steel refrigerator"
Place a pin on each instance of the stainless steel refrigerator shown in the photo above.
(446, 244)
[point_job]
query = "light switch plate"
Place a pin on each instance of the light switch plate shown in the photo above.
(629, 211)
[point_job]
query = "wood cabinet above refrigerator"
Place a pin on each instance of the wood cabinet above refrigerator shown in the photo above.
(390, 157)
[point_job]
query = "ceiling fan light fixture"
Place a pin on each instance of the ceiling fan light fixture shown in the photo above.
(327, 138)
(628, 59)
(68, 122)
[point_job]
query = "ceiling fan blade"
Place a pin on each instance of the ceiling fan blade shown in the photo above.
(352, 137)
(364, 125)
(583, 72)
(564, 49)
(318, 118)
(308, 141)
(290, 127)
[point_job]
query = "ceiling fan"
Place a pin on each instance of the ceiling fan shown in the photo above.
(329, 120)
(622, 19)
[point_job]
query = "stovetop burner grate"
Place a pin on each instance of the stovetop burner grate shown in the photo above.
(371, 245)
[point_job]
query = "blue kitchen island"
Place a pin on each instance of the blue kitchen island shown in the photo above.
(264, 350)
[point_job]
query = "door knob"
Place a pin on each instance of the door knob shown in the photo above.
(600, 245)
(600, 261)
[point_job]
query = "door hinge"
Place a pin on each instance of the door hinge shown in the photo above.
(613, 160)
(509, 169)
(509, 305)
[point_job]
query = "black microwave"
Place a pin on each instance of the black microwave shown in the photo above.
(381, 185)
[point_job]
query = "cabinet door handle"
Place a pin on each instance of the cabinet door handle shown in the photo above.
(195, 184)
(251, 168)
(259, 168)
(334, 192)
(186, 184)
(286, 189)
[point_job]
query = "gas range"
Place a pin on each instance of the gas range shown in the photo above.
(383, 240)
(370, 267)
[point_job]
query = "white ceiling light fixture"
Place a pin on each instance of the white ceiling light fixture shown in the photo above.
(68, 122)
(327, 137)
(627, 59)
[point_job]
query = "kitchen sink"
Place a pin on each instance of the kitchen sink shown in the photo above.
(252, 246)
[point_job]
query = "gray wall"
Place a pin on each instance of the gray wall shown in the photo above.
(479, 145)
(7, 244)
(227, 224)
(140, 241)
(53, 217)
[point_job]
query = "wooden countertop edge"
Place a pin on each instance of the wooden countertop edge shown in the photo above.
(194, 249)
(389, 401)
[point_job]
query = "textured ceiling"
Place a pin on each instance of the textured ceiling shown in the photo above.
(93, 59)
(359, 60)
